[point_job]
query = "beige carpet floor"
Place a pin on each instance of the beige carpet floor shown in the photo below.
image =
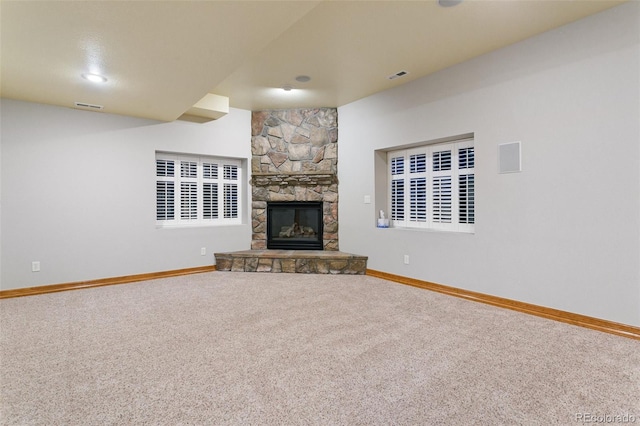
(227, 348)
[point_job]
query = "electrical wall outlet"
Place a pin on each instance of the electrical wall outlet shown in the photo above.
(406, 259)
(35, 266)
(203, 251)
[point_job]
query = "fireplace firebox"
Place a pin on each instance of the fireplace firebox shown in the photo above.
(294, 225)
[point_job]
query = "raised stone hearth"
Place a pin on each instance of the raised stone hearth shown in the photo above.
(292, 261)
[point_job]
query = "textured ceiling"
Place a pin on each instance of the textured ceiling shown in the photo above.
(161, 58)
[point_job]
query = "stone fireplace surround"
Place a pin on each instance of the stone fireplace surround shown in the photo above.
(294, 158)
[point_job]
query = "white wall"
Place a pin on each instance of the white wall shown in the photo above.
(564, 233)
(78, 193)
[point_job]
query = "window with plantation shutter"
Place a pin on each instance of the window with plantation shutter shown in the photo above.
(432, 186)
(196, 190)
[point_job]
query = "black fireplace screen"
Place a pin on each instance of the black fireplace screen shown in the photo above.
(294, 225)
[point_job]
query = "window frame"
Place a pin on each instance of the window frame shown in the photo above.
(417, 205)
(224, 180)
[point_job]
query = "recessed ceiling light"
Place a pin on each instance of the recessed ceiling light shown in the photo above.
(449, 3)
(287, 87)
(303, 78)
(94, 78)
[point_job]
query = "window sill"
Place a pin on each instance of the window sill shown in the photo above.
(427, 230)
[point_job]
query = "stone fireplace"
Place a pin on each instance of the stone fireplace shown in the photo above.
(294, 164)
(294, 159)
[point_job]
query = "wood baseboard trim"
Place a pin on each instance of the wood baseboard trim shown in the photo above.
(32, 291)
(527, 308)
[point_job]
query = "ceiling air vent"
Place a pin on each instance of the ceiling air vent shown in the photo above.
(89, 107)
(397, 75)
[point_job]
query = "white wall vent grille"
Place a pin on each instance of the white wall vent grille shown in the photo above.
(397, 75)
(90, 107)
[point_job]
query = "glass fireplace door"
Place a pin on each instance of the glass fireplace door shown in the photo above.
(294, 225)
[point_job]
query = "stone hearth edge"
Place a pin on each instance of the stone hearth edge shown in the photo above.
(292, 261)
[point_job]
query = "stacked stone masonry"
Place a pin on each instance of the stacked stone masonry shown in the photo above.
(294, 158)
(294, 141)
(292, 261)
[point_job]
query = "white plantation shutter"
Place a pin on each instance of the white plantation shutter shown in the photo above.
(466, 185)
(417, 186)
(442, 160)
(230, 200)
(442, 199)
(466, 158)
(165, 189)
(188, 169)
(433, 186)
(441, 183)
(397, 166)
(397, 188)
(230, 172)
(230, 176)
(466, 191)
(210, 200)
(165, 200)
(188, 200)
(165, 168)
(210, 204)
(204, 191)
(210, 190)
(397, 200)
(418, 200)
(209, 170)
(188, 190)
